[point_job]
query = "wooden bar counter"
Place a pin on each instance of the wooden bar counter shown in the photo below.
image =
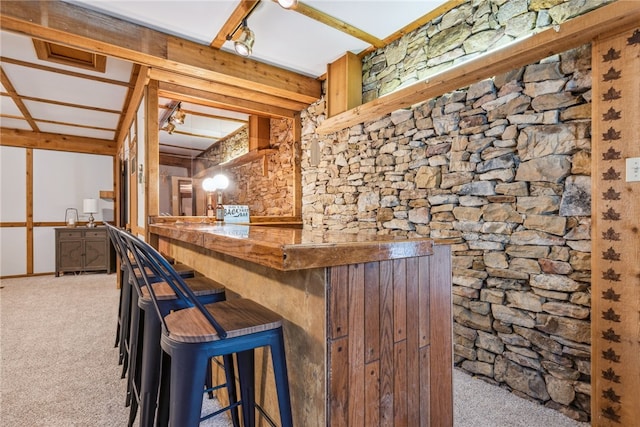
(368, 321)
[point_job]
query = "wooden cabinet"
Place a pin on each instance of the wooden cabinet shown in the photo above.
(83, 249)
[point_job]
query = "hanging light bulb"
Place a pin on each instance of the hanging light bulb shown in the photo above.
(244, 44)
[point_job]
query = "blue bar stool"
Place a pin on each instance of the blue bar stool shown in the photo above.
(145, 352)
(124, 307)
(195, 334)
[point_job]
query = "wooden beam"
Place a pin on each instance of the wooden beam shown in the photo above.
(17, 100)
(152, 152)
(576, 32)
(338, 24)
(142, 79)
(195, 96)
(166, 76)
(244, 8)
(74, 26)
(169, 160)
(52, 141)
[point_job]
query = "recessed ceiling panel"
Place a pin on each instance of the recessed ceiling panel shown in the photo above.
(71, 115)
(77, 131)
(9, 123)
(198, 21)
(16, 46)
(302, 45)
(8, 107)
(380, 18)
(59, 87)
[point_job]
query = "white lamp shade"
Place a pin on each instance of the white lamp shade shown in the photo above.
(90, 205)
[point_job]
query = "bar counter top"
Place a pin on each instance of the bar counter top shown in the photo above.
(288, 249)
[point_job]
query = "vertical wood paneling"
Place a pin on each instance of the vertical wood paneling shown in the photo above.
(399, 299)
(372, 311)
(339, 382)
(424, 298)
(372, 394)
(396, 346)
(338, 302)
(400, 384)
(356, 345)
(425, 387)
(441, 358)
(413, 342)
(386, 343)
(615, 260)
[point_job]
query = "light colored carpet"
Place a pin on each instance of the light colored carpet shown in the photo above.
(58, 366)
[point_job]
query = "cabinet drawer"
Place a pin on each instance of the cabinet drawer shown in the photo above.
(71, 234)
(95, 233)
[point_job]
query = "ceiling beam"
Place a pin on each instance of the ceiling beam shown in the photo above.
(74, 26)
(317, 15)
(573, 33)
(201, 97)
(17, 100)
(244, 9)
(223, 89)
(56, 142)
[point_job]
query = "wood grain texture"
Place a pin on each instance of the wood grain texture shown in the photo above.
(374, 375)
(290, 249)
(615, 257)
(390, 382)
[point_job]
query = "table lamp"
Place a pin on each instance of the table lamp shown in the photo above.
(90, 206)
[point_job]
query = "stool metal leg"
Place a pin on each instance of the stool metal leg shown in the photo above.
(246, 372)
(187, 387)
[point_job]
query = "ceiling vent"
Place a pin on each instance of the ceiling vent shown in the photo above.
(69, 56)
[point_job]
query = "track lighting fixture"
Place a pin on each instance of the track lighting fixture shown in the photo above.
(178, 116)
(288, 4)
(170, 127)
(244, 44)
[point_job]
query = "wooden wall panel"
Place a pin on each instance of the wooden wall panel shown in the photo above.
(615, 326)
(382, 374)
(440, 315)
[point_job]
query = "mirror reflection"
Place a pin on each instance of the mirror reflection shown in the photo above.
(194, 141)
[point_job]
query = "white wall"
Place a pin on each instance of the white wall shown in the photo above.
(61, 180)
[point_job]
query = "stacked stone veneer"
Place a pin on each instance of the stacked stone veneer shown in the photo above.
(463, 33)
(270, 194)
(502, 169)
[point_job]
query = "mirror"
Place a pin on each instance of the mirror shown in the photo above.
(190, 146)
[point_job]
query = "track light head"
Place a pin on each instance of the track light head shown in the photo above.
(244, 44)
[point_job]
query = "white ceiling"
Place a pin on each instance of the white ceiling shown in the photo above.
(90, 104)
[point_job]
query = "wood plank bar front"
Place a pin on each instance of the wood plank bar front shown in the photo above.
(368, 340)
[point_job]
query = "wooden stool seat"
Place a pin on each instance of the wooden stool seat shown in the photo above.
(237, 316)
(200, 285)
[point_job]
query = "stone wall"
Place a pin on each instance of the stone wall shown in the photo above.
(502, 170)
(463, 33)
(227, 148)
(271, 194)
